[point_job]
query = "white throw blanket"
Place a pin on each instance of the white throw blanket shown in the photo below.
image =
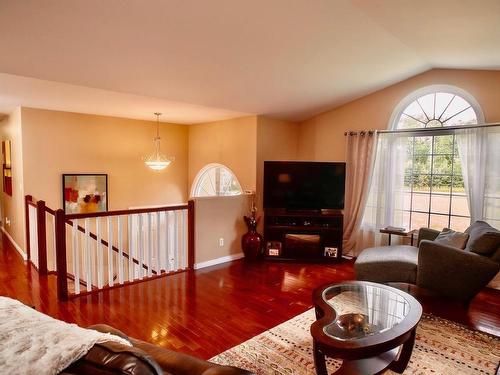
(34, 343)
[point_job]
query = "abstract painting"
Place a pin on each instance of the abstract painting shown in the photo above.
(85, 193)
(7, 167)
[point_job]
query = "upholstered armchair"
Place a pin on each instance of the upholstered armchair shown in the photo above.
(451, 271)
(448, 270)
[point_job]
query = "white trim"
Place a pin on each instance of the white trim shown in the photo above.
(201, 173)
(213, 262)
(408, 99)
(16, 246)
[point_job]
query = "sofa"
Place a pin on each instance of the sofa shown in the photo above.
(448, 270)
(142, 359)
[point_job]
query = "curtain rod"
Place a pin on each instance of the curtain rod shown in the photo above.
(424, 129)
(361, 132)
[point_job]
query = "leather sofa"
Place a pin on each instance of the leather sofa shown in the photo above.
(142, 358)
(447, 270)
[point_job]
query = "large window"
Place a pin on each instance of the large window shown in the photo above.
(215, 180)
(434, 194)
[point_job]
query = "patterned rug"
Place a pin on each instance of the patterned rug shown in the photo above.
(441, 347)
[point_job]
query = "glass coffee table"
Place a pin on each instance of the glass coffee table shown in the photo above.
(370, 326)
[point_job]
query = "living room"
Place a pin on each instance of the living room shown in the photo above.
(236, 86)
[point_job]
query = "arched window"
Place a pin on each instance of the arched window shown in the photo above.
(436, 106)
(434, 194)
(215, 180)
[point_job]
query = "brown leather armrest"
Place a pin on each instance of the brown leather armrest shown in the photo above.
(114, 358)
(183, 364)
(173, 362)
(104, 328)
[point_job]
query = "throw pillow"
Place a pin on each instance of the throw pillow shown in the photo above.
(484, 239)
(452, 238)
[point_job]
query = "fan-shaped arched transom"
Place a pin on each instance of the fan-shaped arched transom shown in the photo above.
(436, 106)
(215, 180)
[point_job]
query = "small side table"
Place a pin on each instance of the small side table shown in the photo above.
(390, 232)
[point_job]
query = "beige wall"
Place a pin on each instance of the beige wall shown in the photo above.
(61, 142)
(276, 140)
(220, 217)
(58, 142)
(322, 137)
(230, 142)
(46, 144)
(13, 207)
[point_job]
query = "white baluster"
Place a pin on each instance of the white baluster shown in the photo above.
(130, 252)
(88, 261)
(120, 251)
(100, 263)
(140, 248)
(110, 251)
(150, 245)
(168, 268)
(184, 238)
(176, 241)
(54, 257)
(158, 233)
(76, 255)
(33, 230)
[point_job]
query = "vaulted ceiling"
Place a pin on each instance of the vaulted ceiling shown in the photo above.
(200, 61)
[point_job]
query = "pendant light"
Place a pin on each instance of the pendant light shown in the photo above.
(157, 160)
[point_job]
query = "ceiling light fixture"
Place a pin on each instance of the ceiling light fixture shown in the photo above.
(157, 160)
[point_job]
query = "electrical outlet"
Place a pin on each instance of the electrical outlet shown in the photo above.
(7, 221)
(221, 241)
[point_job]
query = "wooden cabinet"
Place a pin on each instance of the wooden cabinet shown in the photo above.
(305, 236)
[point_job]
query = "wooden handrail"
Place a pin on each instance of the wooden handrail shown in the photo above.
(50, 211)
(41, 232)
(127, 212)
(61, 220)
(33, 202)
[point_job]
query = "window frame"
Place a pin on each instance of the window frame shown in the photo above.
(424, 132)
(203, 171)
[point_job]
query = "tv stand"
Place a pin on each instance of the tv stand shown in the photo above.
(309, 236)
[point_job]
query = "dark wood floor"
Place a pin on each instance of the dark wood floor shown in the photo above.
(208, 311)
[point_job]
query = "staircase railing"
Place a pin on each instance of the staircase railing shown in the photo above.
(40, 235)
(102, 250)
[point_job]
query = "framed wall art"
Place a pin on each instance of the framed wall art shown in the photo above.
(84, 193)
(7, 167)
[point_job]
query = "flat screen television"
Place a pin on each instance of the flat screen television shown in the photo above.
(301, 185)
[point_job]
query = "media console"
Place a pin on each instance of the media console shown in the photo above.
(314, 236)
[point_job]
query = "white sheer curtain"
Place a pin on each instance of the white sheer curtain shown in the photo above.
(359, 157)
(479, 151)
(386, 197)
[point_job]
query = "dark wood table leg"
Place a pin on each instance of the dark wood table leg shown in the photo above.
(319, 360)
(404, 357)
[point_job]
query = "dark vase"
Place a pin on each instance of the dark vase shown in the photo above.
(251, 242)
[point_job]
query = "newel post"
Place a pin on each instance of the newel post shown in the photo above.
(191, 229)
(42, 238)
(27, 200)
(62, 277)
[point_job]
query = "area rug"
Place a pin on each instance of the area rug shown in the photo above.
(441, 347)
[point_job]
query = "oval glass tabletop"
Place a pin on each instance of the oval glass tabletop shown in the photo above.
(363, 310)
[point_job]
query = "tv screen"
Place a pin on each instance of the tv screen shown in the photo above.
(304, 185)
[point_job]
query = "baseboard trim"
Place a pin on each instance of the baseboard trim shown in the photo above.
(213, 262)
(16, 246)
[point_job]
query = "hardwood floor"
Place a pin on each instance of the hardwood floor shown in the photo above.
(207, 311)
